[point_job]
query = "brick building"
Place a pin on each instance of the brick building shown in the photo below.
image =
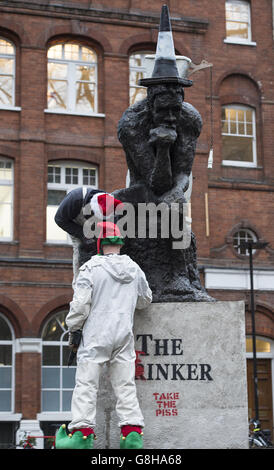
(68, 71)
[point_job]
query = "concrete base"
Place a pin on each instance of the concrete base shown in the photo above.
(190, 377)
(29, 427)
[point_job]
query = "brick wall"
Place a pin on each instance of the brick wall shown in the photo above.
(28, 384)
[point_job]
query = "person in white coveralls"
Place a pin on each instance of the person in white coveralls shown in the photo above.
(107, 291)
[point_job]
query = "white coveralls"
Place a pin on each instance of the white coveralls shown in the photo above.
(106, 293)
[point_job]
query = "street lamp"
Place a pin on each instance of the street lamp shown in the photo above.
(251, 245)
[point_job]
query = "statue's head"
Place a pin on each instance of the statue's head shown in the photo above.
(165, 104)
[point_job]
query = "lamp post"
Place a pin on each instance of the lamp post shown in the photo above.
(251, 245)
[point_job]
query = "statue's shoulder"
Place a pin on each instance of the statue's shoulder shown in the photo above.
(133, 118)
(192, 116)
(190, 110)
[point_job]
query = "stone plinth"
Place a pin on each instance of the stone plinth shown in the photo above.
(190, 376)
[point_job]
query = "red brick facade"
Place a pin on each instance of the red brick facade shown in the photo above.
(35, 275)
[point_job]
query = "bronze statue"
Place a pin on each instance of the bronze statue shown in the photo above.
(159, 136)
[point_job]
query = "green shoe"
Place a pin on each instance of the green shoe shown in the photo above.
(134, 440)
(73, 441)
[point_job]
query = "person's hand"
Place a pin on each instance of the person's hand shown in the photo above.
(71, 344)
(74, 339)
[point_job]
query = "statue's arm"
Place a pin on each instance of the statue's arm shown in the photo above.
(191, 125)
(161, 178)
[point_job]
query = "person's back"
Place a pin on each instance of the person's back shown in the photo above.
(118, 287)
(117, 283)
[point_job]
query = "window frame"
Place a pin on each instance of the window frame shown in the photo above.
(252, 234)
(5, 183)
(10, 342)
(137, 68)
(63, 186)
(9, 56)
(61, 343)
(72, 81)
(240, 163)
(262, 355)
(239, 40)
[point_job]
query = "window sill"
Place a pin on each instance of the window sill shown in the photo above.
(10, 108)
(56, 243)
(72, 113)
(9, 416)
(54, 416)
(240, 43)
(239, 164)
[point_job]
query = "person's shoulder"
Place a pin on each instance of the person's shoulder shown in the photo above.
(130, 261)
(91, 263)
(127, 258)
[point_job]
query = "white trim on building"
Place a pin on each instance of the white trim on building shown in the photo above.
(238, 279)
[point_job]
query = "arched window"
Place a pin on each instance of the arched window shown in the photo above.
(239, 135)
(263, 345)
(243, 235)
(137, 71)
(6, 366)
(63, 176)
(7, 74)
(6, 199)
(58, 379)
(238, 21)
(72, 79)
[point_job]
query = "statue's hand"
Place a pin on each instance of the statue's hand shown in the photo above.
(175, 195)
(162, 135)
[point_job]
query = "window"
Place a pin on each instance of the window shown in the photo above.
(243, 235)
(62, 178)
(6, 199)
(72, 79)
(58, 379)
(238, 27)
(6, 366)
(262, 345)
(238, 136)
(137, 71)
(7, 74)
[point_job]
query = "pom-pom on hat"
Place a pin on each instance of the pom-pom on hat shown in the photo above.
(109, 234)
(104, 205)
